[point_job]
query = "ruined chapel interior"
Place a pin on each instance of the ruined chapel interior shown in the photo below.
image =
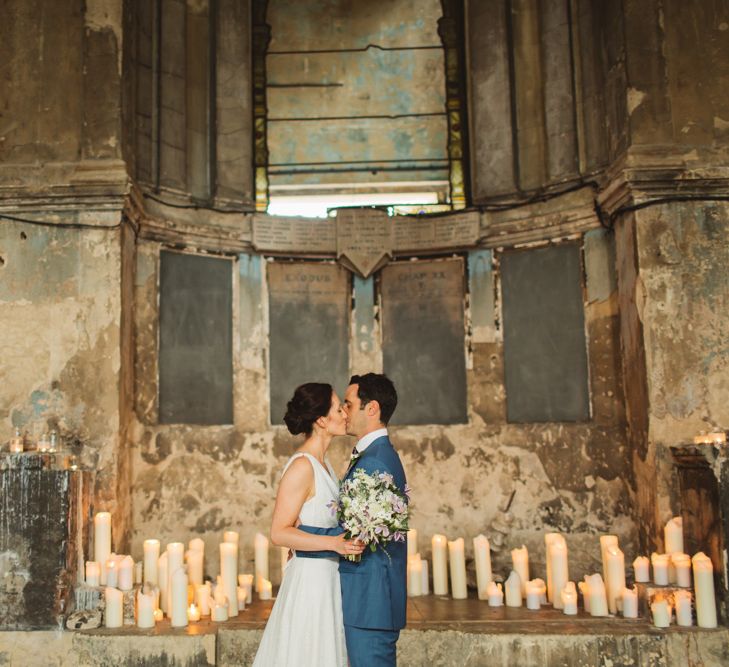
(516, 209)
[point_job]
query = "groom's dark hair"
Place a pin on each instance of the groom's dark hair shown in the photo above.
(376, 387)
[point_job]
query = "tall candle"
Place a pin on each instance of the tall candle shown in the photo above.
(178, 598)
(520, 563)
(615, 561)
(661, 611)
(102, 542)
(660, 568)
(673, 535)
(202, 598)
(495, 594)
(512, 590)
(630, 602)
(260, 550)
(605, 542)
(229, 574)
(682, 566)
(162, 572)
(440, 564)
(194, 566)
(145, 610)
(682, 600)
(196, 544)
(111, 572)
(533, 595)
(559, 568)
(415, 576)
(704, 589)
(641, 569)
(175, 561)
(457, 557)
(114, 611)
(598, 596)
(266, 592)
(482, 554)
(569, 598)
(231, 536)
(93, 573)
(125, 574)
(548, 538)
(412, 542)
(151, 556)
(425, 582)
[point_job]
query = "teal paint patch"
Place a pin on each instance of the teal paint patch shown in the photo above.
(250, 278)
(481, 290)
(599, 248)
(364, 313)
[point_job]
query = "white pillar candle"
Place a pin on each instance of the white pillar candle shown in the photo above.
(520, 564)
(178, 598)
(425, 582)
(246, 581)
(412, 542)
(533, 595)
(548, 538)
(661, 611)
(219, 612)
(605, 542)
(260, 551)
(102, 542)
(175, 560)
(202, 599)
(145, 610)
(630, 602)
(139, 572)
(615, 561)
(673, 535)
(569, 598)
(558, 566)
(682, 600)
(151, 557)
(704, 589)
(598, 596)
(229, 574)
(266, 592)
(111, 573)
(482, 556)
(415, 576)
(125, 574)
(196, 544)
(660, 568)
(543, 588)
(241, 595)
(682, 566)
(584, 589)
(193, 613)
(194, 566)
(495, 594)
(440, 564)
(231, 536)
(114, 611)
(162, 572)
(512, 590)
(641, 569)
(457, 557)
(93, 573)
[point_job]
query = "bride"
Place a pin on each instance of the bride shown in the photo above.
(306, 626)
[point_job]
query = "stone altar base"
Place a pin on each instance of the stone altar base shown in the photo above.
(440, 633)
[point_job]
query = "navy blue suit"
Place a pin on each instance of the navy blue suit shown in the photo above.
(374, 590)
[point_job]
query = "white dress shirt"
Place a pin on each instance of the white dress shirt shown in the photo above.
(366, 440)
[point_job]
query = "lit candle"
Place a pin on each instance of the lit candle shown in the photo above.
(92, 573)
(162, 570)
(194, 566)
(114, 611)
(520, 563)
(202, 597)
(145, 610)
(661, 611)
(457, 557)
(512, 589)
(415, 576)
(641, 568)
(584, 588)
(630, 602)
(139, 572)
(151, 556)
(102, 542)
(606, 541)
(425, 581)
(246, 581)
(229, 574)
(598, 596)
(569, 598)
(616, 577)
(558, 566)
(260, 550)
(533, 594)
(482, 554)
(718, 438)
(111, 578)
(440, 564)
(412, 542)
(178, 598)
(16, 442)
(158, 615)
(193, 613)
(241, 594)
(495, 594)
(660, 568)
(266, 592)
(682, 600)
(704, 589)
(125, 574)
(682, 566)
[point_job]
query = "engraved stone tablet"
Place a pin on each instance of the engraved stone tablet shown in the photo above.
(457, 230)
(300, 236)
(364, 239)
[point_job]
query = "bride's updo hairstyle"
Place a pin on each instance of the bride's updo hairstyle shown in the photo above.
(311, 401)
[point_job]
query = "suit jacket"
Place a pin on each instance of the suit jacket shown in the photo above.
(374, 590)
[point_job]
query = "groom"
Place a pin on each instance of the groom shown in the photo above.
(374, 594)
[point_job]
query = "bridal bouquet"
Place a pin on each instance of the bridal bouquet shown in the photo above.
(372, 509)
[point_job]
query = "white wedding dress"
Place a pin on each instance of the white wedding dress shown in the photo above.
(306, 628)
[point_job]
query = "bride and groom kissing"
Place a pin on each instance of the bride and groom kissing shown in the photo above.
(340, 600)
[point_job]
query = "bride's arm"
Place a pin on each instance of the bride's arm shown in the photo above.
(296, 487)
